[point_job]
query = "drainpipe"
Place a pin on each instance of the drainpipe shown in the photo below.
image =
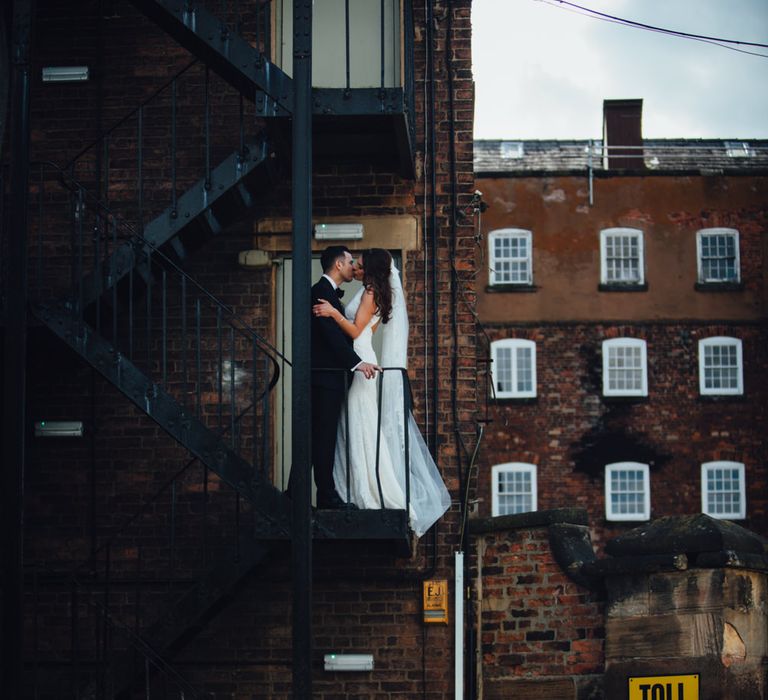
(458, 622)
(15, 359)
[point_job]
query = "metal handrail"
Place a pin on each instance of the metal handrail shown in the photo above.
(123, 120)
(407, 403)
(135, 641)
(131, 236)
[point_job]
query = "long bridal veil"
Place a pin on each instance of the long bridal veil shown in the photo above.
(429, 498)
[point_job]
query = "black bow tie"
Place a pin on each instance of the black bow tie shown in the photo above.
(339, 292)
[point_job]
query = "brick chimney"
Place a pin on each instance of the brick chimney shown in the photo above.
(623, 134)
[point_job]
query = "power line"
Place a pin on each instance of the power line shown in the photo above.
(717, 41)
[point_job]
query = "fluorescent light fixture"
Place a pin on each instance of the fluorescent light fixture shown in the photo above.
(59, 428)
(338, 231)
(348, 662)
(65, 74)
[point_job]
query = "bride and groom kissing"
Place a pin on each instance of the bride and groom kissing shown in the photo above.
(345, 414)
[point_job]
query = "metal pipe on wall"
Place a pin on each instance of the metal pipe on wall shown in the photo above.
(458, 623)
(301, 525)
(14, 358)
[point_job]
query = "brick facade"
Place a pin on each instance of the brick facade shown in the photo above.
(82, 492)
(570, 430)
(540, 632)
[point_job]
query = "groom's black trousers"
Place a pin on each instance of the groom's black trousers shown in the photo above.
(326, 409)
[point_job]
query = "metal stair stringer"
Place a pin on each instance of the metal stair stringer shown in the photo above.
(272, 507)
(236, 175)
(225, 51)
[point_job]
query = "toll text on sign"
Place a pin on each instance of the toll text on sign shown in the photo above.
(664, 688)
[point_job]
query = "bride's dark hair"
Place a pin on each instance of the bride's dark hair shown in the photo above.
(377, 264)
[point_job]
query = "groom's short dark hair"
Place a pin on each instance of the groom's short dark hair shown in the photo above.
(331, 254)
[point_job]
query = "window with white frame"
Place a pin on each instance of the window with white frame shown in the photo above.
(627, 491)
(621, 256)
(514, 488)
(723, 492)
(510, 256)
(717, 253)
(720, 366)
(513, 368)
(625, 370)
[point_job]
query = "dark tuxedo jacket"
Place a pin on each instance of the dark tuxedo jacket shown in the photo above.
(331, 347)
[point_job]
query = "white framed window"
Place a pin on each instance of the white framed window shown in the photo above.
(717, 255)
(720, 366)
(514, 488)
(625, 367)
(513, 368)
(627, 491)
(621, 256)
(723, 491)
(510, 256)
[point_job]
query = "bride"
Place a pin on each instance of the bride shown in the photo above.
(380, 303)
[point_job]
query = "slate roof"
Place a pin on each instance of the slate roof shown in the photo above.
(704, 155)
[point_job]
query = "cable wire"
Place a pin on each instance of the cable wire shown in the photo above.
(716, 41)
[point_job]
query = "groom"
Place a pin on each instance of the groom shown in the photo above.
(331, 349)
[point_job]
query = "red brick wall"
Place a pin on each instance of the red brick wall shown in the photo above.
(367, 600)
(538, 629)
(570, 431)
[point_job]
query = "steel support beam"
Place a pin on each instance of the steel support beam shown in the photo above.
(301, 526)
(231, 56)
(15, 361)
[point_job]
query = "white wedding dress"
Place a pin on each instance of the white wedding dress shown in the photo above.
(429, 498)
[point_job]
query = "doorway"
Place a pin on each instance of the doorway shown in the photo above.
(283, 341)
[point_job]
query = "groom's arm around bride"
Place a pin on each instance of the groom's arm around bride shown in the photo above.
(331, 354)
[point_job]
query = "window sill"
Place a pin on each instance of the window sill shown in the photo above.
(494, 288)
(630, 522)
(524, 400)
(622, 287)
(722, 398)
(719, 286)
(624, 399)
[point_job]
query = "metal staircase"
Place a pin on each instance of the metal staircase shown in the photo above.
(107, 278)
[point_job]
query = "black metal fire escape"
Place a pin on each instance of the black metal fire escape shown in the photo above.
(126, 303)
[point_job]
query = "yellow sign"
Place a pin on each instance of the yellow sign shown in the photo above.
(436, 601)
(664, 687)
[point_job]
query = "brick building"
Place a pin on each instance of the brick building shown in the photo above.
(622, 301)
(159, 254)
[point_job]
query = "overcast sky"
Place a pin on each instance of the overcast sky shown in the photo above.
(542, 71)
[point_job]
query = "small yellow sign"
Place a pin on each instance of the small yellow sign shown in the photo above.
(664, 687)
(436, 601)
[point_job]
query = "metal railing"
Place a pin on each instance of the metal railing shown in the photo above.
(141, 166)
(403, 479)
(186, 340)
(359, 44)
(84, 668)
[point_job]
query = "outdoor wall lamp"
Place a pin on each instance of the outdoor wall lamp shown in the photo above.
(338, 231)
(65, 74)
(59, 428)
(348, 662)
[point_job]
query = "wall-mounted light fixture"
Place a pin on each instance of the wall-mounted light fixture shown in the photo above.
(59, 428)
(65, 74)
(338, 231)
(348, 662)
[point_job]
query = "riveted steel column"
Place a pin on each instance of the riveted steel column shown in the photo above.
(15, 347)
(301, 527)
